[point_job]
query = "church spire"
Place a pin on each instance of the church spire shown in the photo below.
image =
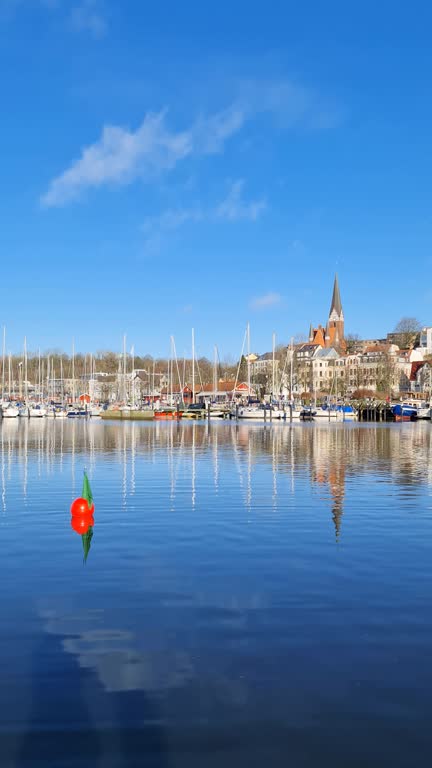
(336, 305)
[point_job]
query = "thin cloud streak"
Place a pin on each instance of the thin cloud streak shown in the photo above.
(121, 155)
(233, 208)
(87, 17)
(82, 15)
(266, 301)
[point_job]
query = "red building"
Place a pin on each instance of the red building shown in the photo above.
(333, 333)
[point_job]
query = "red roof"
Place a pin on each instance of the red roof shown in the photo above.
(377, 348)
(415, 367)
(222, 386)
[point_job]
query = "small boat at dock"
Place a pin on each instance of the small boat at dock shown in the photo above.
(9, 411)
(404, 412)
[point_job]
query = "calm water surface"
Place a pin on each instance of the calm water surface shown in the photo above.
(253, 596)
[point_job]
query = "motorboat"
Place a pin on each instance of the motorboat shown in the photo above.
(424, 411)
(75, 413)
(216, 412)
(259, 413)
(335, 412)
(322, 412)
(36, 412)
(404, 412)
(9, 411)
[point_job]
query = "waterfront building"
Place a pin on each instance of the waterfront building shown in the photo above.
(264, 364)
(421, 378)
(425, 343)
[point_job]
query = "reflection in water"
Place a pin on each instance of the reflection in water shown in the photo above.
(114, 656)
(330, 453)
(217, 608)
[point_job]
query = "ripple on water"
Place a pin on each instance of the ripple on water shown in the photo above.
(251, 595)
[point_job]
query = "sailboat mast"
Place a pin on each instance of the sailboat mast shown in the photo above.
(3, 365)
(291, 368)
(73, 371)
(170, 374)
(248, 361)
(10, 375)
(124, 368)
(273, 365)
(215, 376)
(178, 370)
(133, 377)
(25, 370)
(193, 365)
(90, 387)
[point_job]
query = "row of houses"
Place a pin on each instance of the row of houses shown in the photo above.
(379, 367)
(329, 363)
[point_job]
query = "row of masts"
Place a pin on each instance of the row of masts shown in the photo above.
(56, 390)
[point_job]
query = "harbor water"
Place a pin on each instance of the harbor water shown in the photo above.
(254, 595)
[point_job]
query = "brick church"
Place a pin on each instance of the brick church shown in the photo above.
(333, 333)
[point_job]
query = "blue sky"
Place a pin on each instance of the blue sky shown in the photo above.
(171, 165)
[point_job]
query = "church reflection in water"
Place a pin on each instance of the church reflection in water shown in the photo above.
(328, 454)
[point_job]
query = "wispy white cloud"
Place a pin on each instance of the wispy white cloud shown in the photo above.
(290, 103)
(83, 15)
(87, 16)
(210, 133)
(172, 219)
(234, 207)
(122, 155)
(265, 301)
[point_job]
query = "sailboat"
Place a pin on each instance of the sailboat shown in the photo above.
(216, 411)
(263, 411)
(36, 410)
(93, 409)
(8, 409)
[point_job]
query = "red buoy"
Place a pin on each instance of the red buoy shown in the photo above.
(81, 507)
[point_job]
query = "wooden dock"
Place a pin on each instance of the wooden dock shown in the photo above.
(127, 415)
(375, 412)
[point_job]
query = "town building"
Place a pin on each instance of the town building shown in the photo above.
(425, 343)
(264, 364)
(421, 378)
(333, 334)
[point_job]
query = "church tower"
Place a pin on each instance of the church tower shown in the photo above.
(335, 325)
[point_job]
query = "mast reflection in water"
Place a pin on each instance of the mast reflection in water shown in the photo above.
(259, 594)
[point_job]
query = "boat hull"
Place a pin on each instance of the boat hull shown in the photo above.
(168, 415)
(259, 414)
(10, 413)
(130, 415)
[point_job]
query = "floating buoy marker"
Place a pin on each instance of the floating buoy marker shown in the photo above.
(82, 520)
(84, 504)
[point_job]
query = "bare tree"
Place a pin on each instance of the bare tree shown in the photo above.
(406, 330)
(351, 343)
(386, 374)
